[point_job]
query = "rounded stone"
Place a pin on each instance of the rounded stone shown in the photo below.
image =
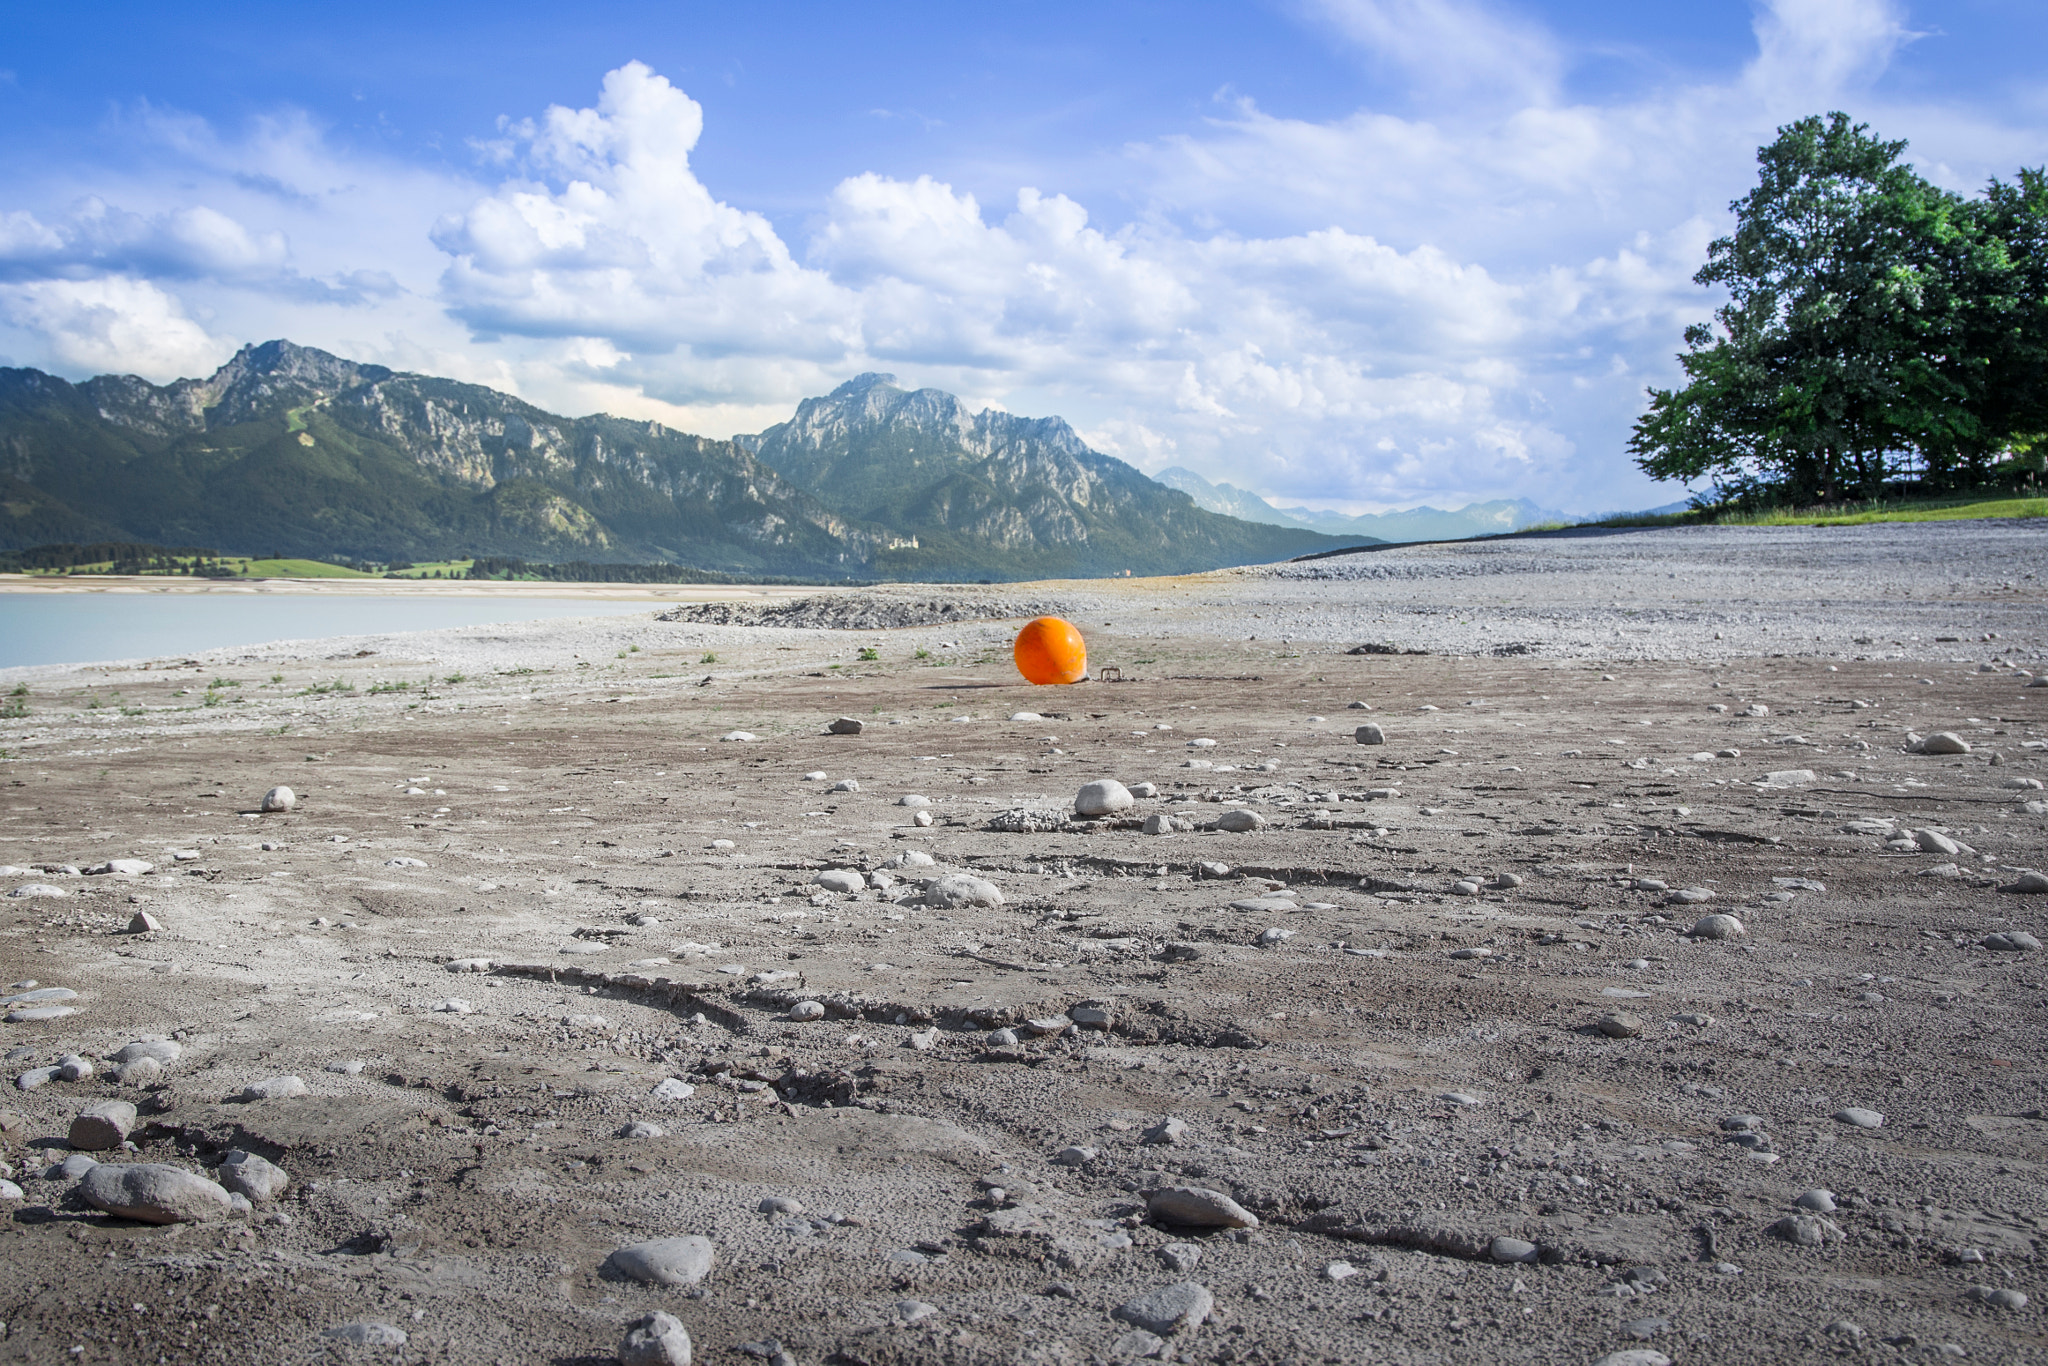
(1240, 820)
(1103, 797)
(153, 1193)
(144, 1071)
(847, 725)
(1198, 1207)
(807, 1010)
(840, 880)
(244, 1173)
(280, 799)
(1858, 1117)
(1170, 1310)
(665, 1261)
(1370, 734)
(1719, 926)
(1505, 1249)
(101, 1126)
(1818, 1200)
(1944, 742)
(959, 889)
(656, 1340)
(273, 1088)
(1999, 1297)
(1621, 1025)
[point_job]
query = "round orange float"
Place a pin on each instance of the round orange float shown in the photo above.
(1049, 650)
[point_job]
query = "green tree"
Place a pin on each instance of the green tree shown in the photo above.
(1841, 356)
(2010, 326)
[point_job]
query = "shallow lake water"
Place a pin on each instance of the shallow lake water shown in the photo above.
(80, 628)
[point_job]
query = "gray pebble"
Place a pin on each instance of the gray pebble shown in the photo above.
(244, 1173)
(1621, 1025)
(641, 1128)
(1999, 1297)
(1818, 1201)
(2011, 941)
(1103, 797)
(1180, 1257)
(1858, 1117)
(273, 1088)
(1370, 734)
(1720, 926)
(1135, 1344)
(153, 1193)
(1167, 1131)
(1198, 1207)
(367, 1333)
(1169, 1310)
(959, 889)
(657, 1339)
(101, 1126)
(840, 880)
(665, 1261)
(1506, 1249)
(161, 1050)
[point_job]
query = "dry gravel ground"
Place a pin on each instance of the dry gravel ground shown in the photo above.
(1401, 1076)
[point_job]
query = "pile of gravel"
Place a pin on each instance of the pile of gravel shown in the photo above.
(860, 612)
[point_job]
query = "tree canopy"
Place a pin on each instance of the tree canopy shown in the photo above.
(1878, 330)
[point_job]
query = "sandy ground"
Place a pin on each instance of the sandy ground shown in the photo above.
(1389, 1072)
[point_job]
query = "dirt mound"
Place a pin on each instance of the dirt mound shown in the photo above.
(860, 612)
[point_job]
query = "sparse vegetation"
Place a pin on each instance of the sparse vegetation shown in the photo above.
(334, 686)
(709, 658)
(869, 654)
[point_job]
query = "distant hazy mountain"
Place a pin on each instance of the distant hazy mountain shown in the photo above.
(1224, 498)
(290, 450)
(1416, 524)
(990, 494)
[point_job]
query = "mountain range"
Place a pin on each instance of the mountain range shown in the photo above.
(289, 450)
(1414, 524)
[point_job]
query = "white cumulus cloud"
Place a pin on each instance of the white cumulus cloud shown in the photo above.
(114, 323)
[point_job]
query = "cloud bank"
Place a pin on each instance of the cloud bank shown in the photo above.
(1461, 300)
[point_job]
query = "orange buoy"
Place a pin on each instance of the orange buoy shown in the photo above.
(1049, 650)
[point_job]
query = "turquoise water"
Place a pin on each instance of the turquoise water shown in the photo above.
(81, 628)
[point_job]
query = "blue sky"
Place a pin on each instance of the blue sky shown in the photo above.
(1350, 253)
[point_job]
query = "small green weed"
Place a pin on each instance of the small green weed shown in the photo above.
(224, 683)
(869, 654)
(452, 679)
(709, 658)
